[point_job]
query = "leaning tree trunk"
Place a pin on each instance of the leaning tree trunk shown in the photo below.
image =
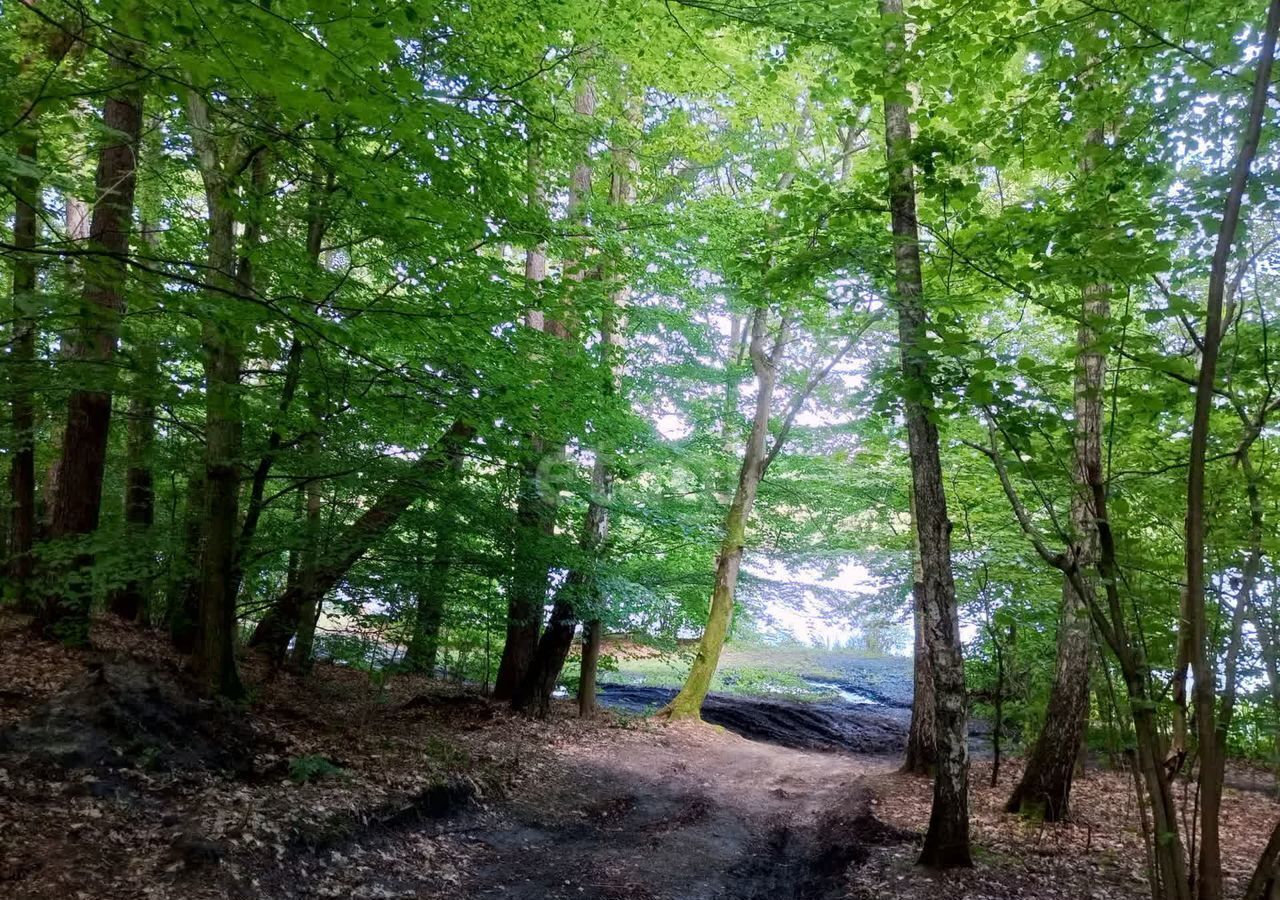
(277, 627)
(688, 702)
(1045, 787)
(317, 226)
(76, 503)
(1209, 880)
(947, 840)
(1265, 881)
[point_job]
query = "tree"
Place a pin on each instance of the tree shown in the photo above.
(947, 841)
(75, 505)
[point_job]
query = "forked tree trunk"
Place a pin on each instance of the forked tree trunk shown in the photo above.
(213, 657)
(1209, 879)
(581, 590)
(76, 503)
(947, 841)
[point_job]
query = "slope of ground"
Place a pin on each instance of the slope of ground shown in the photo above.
(115, 781)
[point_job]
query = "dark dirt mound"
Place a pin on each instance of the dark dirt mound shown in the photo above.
(646, 825)
(804, 726)
(130, 715)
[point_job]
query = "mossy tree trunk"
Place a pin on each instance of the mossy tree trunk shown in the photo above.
(688, 702)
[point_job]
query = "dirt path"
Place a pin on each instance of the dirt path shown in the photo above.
(689, 813)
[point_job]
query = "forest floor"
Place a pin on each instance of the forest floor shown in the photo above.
(116, 782)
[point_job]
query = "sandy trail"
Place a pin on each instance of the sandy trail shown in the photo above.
(689, 812)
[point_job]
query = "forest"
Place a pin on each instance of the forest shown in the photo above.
(639, 449)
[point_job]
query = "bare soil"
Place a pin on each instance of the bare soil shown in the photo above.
(117, 781)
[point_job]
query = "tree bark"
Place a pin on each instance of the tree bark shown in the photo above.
(75, 508)
(1266, 876)
(922, 754)
(1045, 787)
(1209, 880)
(277, 627)
(688, 702)
(947, 840)
(535, 509)
(592, 631)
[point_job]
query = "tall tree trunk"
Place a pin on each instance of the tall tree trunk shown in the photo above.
(922, 752)
(76, 503)
(1209, 880)
(622, 193)
(213, 657)
(277, 627)
(947, 840)
(1045, 787)
(20, 544)
(592, 632)
(688, 702)
(535, 510)
(533, 693)
(22, 470)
